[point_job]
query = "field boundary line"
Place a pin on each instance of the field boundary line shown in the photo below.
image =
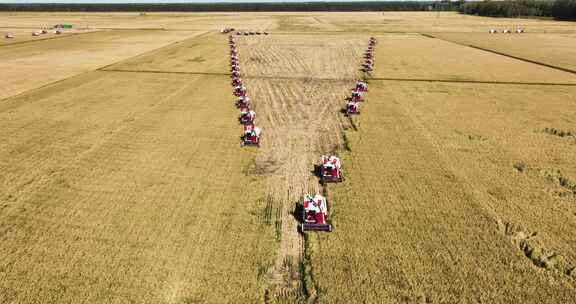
(97, 69)
(201, 34)
(474, 81)
(164, 72)
(563, 69)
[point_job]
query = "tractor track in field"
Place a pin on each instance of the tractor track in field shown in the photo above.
(299, 113)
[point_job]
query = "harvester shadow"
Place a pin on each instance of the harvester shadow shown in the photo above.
(317, 173)
(297, 214)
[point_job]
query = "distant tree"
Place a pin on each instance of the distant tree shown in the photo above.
(564, 9)
(510, 8)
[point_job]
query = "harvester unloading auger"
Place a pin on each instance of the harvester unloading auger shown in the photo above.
(314, 214)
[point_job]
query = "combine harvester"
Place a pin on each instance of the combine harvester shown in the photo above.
(247, 116)
(361, 86)
(239, 91)
(330, 171)
(356, 96)
(236, 81)
(243, 102)
(226, 30)
(251, 136)
(352, 108)
(9, 36)
(314, 214)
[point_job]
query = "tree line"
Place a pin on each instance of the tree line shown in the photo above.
(221, 7)
(558, 9)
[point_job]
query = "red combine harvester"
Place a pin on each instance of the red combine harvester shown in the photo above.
(236, 81)
(352, 108)
(372, 41)
(356, 96)
(330, 171)
(251, 136)
(247, 116)
(361, 86)
(243, 102)
(314, 214)
(240, 91)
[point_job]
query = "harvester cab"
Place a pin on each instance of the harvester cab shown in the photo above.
(314, 214)
(330, 170)
(251, 136)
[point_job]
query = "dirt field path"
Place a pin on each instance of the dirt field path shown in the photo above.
(301, 120)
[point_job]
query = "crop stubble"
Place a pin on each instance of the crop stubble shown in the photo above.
(121, 187)
(301, 120)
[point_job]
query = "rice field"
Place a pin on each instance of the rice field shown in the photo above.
(122, 179)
